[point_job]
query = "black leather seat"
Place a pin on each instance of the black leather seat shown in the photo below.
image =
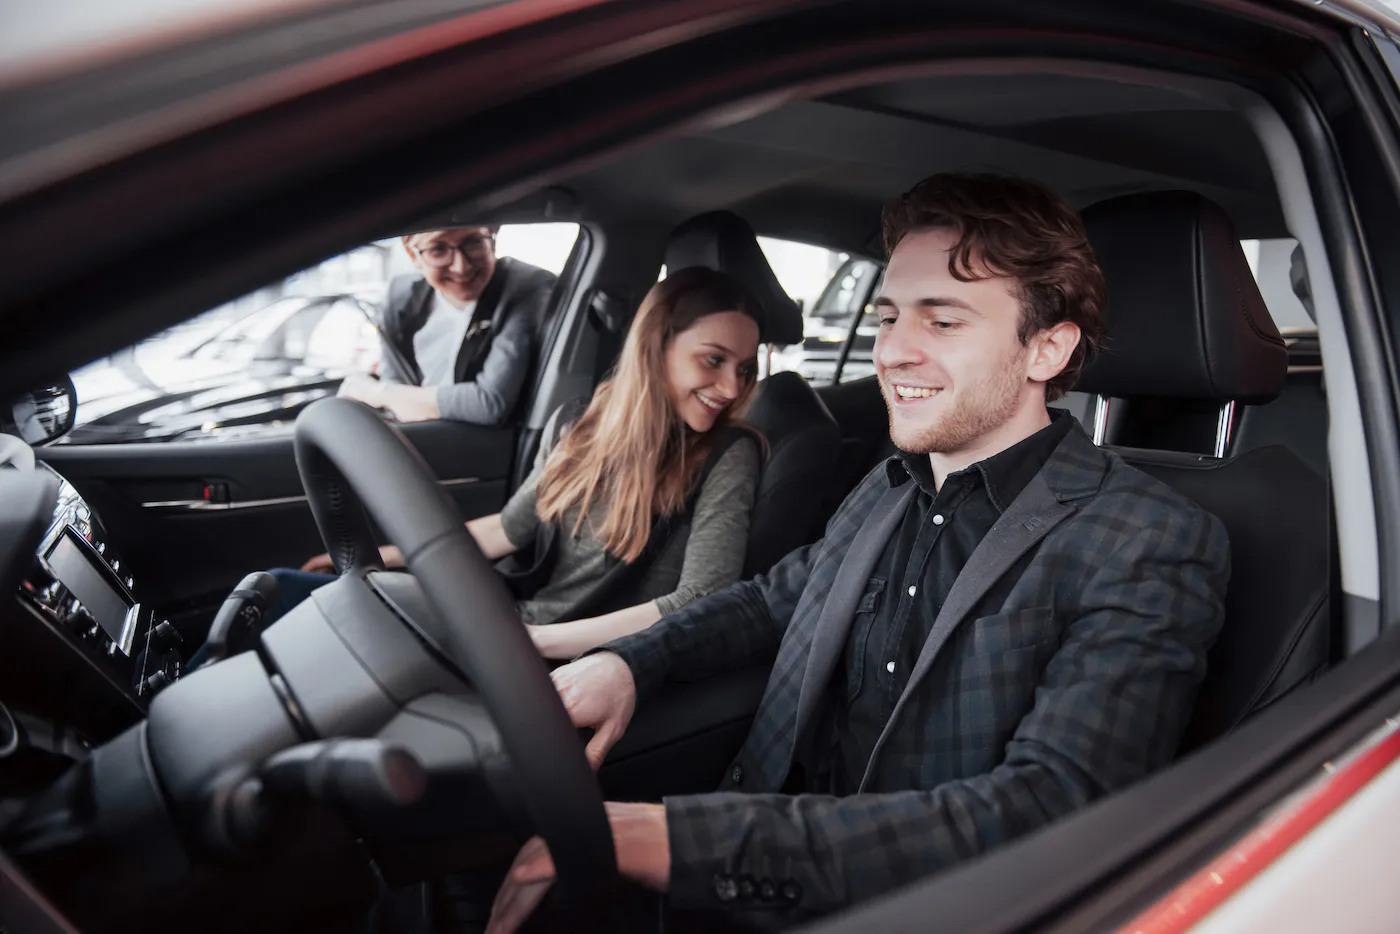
(803, 439)
(1186, 323)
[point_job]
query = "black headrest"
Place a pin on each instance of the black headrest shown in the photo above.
(723, 240)
(1185, 318)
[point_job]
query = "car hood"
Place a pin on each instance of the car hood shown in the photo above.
(210, 407)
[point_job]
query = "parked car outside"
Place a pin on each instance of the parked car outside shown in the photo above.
(252, 374)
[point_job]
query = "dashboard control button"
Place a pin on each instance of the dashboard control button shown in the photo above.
(166, 636)
(155, 682)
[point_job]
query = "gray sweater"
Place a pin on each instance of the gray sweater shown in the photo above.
(711, 558)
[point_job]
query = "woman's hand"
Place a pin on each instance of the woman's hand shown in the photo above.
(543, 637)
(563, 641)
(322, 564)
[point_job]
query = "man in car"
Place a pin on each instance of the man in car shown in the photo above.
(1002, 624)
(459, 339)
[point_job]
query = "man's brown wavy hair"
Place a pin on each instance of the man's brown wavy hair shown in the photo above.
(1018, 229)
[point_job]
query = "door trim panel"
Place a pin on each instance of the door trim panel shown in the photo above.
(201, 505)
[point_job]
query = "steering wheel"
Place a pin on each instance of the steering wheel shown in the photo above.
(352, 464)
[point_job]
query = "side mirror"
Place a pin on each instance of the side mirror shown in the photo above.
(41, 415)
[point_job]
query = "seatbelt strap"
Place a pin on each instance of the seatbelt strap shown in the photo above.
(608, 315)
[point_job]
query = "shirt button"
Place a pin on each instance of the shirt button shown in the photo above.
(913, 590)
(726, 889)
(767, 890)
(938, 519)
(792, 892)
(889, 668)
(736, 775)
(748, 888)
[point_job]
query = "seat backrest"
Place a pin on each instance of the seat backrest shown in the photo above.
(1187, 326)
(803, 439)
(1277, 632)
(859, 409)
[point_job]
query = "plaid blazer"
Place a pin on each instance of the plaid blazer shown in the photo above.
(1063, 665)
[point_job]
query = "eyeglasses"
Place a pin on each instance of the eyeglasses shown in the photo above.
(442, 255)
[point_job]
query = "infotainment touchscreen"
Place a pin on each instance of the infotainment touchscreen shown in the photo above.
(76, 569)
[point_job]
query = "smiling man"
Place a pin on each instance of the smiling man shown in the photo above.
(1002, 624)
(458, 337)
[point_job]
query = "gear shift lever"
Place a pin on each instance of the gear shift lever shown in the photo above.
(243, 612)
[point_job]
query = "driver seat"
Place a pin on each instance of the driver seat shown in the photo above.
(804, 441)
(1187, 326)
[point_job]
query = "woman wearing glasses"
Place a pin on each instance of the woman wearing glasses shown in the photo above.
(458, 340)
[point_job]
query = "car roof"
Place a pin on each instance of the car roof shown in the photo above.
(65, 36)
(814, 169)
(67, 64)
(819, 170)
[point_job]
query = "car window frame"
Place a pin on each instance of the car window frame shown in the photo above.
(1354, 272)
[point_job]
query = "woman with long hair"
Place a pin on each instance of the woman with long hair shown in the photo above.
(639, 503)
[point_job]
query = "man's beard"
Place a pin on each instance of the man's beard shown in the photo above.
(976, 411)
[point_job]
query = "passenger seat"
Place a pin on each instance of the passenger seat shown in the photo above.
(803, 439)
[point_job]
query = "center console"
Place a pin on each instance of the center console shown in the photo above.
(86, 598)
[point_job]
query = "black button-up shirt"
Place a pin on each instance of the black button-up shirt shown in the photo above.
(939, 532)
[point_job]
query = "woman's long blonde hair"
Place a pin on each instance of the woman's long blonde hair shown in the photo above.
(630, 449)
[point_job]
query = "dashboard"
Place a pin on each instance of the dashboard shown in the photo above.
(78, 649)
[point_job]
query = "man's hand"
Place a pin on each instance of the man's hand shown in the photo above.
(405, 403)
(322, 564)
(599, 693)
(643, 855)
(410, 403)
(362, 388)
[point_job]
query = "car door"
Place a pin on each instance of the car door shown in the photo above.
(193, 517)
(196, 472)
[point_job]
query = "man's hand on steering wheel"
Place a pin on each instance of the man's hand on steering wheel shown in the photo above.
(643, 855)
